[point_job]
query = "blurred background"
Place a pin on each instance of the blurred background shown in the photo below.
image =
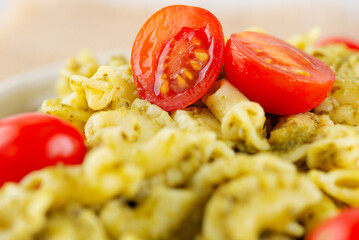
(37, 32)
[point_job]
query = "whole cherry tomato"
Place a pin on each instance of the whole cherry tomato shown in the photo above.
(350, 43)
(281, 78)
(345, 226)
(32, 141)
(177, 56)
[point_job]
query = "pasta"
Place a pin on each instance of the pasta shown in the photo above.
(264, 202)
(219, 169)
(242, 121)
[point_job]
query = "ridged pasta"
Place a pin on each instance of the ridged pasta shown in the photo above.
(337, 147)
(197, 119)
(22, 212)
(215, 173)
(141, 120)
(293, 135)
(73, 222)
(242, 121)
(85, 64)
(243, 208)
(208, 171)
(156, 217)
(340, 184)
(105, 89)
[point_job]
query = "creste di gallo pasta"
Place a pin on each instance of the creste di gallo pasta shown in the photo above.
(220, 169)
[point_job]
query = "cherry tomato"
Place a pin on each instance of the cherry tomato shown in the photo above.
(177, 56)
(281, 78)
(345, 226)
(32, 141)
(352, 44)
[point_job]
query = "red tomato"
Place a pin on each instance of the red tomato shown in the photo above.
(345, 226)
(32, 141)
(281, 78)
(352, 44)
(177, 56)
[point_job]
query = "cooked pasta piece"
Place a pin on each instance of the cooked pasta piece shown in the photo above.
(72, 222)
(166, 149)
(138, 122)
(245, 207)
(292, 135)
(217, 172)
(105, 89)
(22, 212)
(241, 120)
(342, 184)
(85, 64)
(337, 147)
(156, 217)
(197, 119)
(95, 182)
(295, 130)
(57, 107)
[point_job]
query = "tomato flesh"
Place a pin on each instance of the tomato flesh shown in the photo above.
(352, 44)
(181, 63)
(177, 56)
(345, 226)
(281, 78)
(32, 141)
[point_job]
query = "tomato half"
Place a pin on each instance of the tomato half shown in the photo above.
(345, 226)
(32, 141)
(281, 78)
(350, 43)
(177, 56)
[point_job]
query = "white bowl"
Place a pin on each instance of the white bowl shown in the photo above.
(25, 91)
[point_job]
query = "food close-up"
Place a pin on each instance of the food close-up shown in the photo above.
(194, 135)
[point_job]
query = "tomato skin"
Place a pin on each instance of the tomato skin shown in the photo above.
(32, 141)
(345, 226)
(278, 91)
(162, 27)
(350, 43)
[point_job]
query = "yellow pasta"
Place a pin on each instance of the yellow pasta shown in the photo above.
(23, 212)
(242, 121)
(245, 207)
(85, 64)
(218, 169)
(215, 173)
(339, 184)
(155, 217)
(140, 121)
(103, 90)
(73, 222)
(197, 119)
(339, 149)
(77, 116)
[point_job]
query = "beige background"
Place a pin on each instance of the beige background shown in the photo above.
(37, 32)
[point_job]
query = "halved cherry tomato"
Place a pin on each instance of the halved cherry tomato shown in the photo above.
(177, 56)
(350, 43)
(281, 78)
(345, 226)
(32, 141)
